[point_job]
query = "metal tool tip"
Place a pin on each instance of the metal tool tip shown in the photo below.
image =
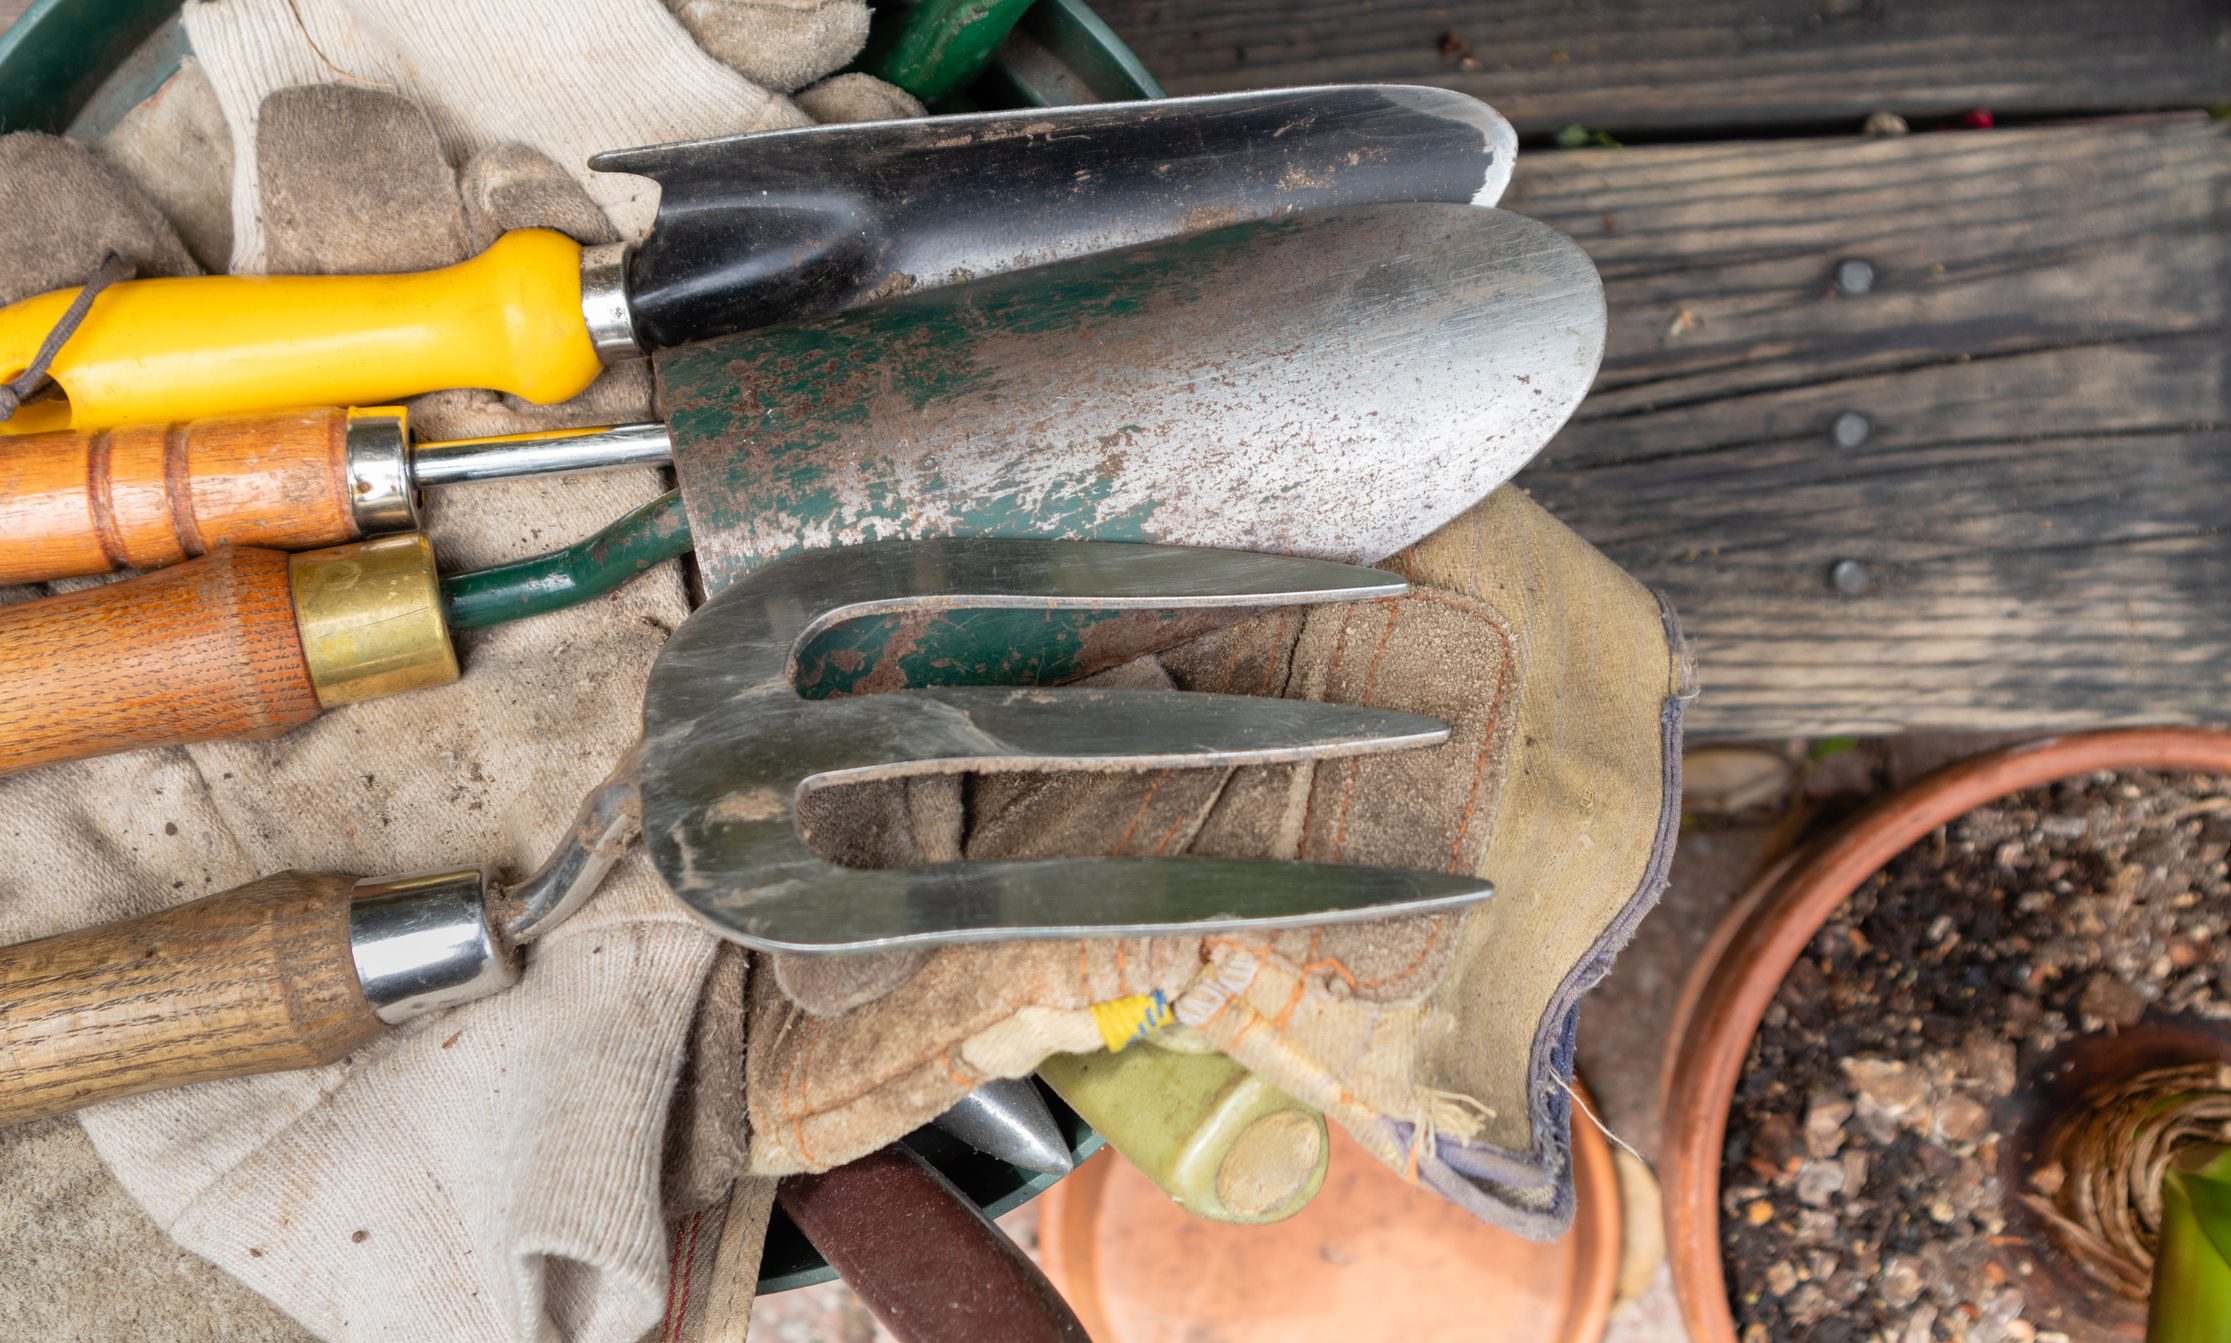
(1007, 1118)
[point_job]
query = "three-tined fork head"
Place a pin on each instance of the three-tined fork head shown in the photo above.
(730, 746)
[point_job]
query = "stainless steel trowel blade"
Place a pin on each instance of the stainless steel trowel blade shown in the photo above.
(1331, 385)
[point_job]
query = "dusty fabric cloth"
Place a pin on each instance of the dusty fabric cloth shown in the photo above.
(505, 182)
(507, 1170)
(1444, 1044)
(857, 97)
(64, 210)
(176, 148)
(488, 73)
(778, 44)
(353, 182)
(84, 1262)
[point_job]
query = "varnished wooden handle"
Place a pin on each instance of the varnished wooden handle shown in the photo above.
(256, 979)
(144, 496)
(922, 1256)
(202, 651)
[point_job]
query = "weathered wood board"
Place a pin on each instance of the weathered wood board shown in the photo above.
(2041, 506)
(1661, 65)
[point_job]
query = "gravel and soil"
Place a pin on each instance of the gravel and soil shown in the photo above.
(1861, 1199)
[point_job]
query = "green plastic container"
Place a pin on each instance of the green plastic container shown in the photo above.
(80, 65)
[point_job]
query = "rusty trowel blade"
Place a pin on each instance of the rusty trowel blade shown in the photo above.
(1332, 385)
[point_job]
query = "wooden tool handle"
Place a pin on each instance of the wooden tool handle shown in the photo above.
(149, 495)
(924, 1258)
(202, 651)
(256, 979)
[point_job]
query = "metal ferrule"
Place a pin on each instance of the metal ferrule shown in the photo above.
(509, 455)
(604, 306)
(370, 614)
(381, 493)
(423, 943)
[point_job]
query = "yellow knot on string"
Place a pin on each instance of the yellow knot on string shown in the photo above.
(1123, 1020)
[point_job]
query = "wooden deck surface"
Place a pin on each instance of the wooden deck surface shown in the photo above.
(2033, 483)
(2030, 504)
(1683, 65)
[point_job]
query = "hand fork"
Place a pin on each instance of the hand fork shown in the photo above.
(298, 969)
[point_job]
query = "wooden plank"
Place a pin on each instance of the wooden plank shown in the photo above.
(1656, 65)
(2042, 503)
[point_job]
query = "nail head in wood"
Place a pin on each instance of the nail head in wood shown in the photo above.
(1851, 430)
(1849, 577)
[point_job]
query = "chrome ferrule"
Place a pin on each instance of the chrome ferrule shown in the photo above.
(382, 495)
(423, 943)
(604, 307)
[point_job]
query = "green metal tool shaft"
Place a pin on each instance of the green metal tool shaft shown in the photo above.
(651, 535)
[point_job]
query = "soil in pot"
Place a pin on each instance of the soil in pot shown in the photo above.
(1861, 1190)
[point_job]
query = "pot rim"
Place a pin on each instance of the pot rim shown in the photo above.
(1727, 995)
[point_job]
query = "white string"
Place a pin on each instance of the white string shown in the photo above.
(1620, 1142)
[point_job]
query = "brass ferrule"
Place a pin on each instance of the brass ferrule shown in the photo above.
(371, 619)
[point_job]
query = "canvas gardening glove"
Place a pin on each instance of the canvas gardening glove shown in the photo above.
(1442, 1043)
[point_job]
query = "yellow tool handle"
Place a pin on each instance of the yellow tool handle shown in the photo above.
(184, 349)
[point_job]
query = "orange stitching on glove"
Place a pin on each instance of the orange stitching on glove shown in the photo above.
(1154, 786)
(798, 1124)
(1277, 645)
(1334, 964)
(1355, 763)
(1285, 1015)
(1332, 669)
(1432, 939)
(1479, 765)
(945, 1061)
(1162, 845)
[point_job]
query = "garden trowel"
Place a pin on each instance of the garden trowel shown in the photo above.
(751, 230)
(1333, 385)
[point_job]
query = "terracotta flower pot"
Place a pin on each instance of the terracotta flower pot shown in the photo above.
(1731, 986)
